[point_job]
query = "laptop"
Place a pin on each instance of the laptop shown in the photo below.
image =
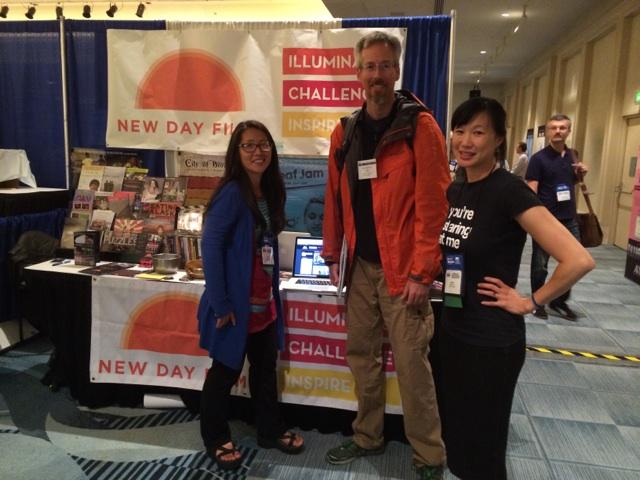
(310, 273)
(286, 247)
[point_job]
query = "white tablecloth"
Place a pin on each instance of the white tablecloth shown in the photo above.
(14, 164)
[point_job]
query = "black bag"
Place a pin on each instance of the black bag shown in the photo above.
(590, 231)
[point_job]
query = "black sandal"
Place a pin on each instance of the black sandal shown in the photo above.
(285, 443)
(219, 452)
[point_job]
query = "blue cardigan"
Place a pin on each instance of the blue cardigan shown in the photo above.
(227, 257)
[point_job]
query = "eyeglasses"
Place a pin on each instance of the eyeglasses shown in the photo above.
(251, 147)
(384, 67)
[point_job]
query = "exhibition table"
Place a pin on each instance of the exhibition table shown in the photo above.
(117, 338)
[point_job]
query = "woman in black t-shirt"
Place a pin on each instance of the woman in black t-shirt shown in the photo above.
(482, 336)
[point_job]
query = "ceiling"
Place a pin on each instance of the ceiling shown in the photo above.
(480, 26)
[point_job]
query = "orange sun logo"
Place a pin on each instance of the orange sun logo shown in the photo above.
(191, 80)
(166, 323)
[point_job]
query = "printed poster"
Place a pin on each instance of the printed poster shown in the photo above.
(145, 333)
(186, 90)
(305, 179)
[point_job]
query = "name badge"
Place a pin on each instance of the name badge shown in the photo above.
(563, 193)
(267, 255)
(367, 169)
(453, 281)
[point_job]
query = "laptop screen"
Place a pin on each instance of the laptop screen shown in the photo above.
(307, 261)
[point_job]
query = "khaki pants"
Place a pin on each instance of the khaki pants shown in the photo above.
(369, 309)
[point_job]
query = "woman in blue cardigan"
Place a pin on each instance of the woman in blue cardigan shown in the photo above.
(240, 311)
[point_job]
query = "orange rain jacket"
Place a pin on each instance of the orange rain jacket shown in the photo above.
(409, 197)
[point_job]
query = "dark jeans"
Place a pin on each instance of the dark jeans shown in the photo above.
(477, 387)
(540, 262)
(262, 352)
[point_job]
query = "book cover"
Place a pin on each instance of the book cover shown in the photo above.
(159, 225)
(160, 209)
(122, 203)
(121, 158)
(134, 179)
(102, 220)
(86, 247)
(80, 157)
(174, 189)
(112, 179)
(71, 225)
(190, 219)
(129, 246)
(107, 268)
(82, 205)
(91, 177)
(101, 201)
(152, 189)
(128, 225)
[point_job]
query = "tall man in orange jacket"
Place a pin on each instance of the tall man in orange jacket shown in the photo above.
(388, 174)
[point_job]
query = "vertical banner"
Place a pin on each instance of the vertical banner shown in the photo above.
(185, 90)
(539, 140)
(632, 267)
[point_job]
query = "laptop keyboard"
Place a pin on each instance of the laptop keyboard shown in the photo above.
(312, 281)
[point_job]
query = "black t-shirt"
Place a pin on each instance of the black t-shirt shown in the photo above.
(481, 226)
(366, 240)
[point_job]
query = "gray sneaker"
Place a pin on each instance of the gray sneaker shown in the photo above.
(349, 451)
(430, 472)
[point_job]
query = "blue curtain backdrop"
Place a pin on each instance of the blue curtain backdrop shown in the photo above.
(30, 83)
(86, 43)
(426, 57)
(31, 97)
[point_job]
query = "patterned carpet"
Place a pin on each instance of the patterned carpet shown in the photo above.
(572, 418)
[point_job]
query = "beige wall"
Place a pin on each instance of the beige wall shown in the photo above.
(592, 77)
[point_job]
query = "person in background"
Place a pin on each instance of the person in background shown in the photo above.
(313, 216)
(520, 166)
(482, 331)
(552, 174)
(240, 311)
(388, 202)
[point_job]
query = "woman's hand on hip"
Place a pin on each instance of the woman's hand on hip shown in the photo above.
(225, 319)
(504, 296)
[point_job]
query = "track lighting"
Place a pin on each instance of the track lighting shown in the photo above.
(31, 11)
(113, 8)
(4, 10)
(86, 11)
(140, 10)
(59, 12)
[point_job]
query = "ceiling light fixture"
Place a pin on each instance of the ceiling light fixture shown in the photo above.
(86, 11)
(4, 10)
(113, 8)
(59, 12)
(140, 10)
(505, 14)
(483, 52)
(31, 11)
(515, 30)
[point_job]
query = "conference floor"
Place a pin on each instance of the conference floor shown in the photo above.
(574, 417)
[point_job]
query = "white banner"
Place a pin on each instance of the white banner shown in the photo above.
(185, 90)
(145, 333)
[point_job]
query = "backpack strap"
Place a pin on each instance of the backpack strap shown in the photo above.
(348, 127)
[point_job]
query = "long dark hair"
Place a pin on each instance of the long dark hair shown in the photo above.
(494, 110)
(271, 182)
